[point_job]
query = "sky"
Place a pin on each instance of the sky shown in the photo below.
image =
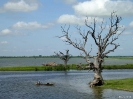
(32, 27)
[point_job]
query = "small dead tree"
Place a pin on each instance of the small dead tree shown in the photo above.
(64, 57)
(102, 41)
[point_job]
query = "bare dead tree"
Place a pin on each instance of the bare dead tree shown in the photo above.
(64, 57)
(101, 40)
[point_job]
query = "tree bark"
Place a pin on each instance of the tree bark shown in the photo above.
(98, 79)
(65, 64)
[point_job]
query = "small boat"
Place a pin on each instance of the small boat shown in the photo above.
(46, 84)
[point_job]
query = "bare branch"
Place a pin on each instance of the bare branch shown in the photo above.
(64, 57)
(115, 47)
(79, 45)
(101, 41)
(114, 27)
(92, 30)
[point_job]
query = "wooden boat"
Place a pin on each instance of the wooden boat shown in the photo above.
(46, 84)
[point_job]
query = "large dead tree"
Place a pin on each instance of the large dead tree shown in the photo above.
(102, 41)
(64, 57)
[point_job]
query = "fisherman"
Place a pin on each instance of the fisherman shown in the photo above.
(38, 83)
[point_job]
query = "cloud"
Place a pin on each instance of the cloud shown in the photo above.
(104, 7)
(72, 19)
(70, 1)
(131, 24)
(3, 42)
(63, 38)
(127, 33)
(8, 32)
(30, 25)
(5, 32)
(24, 27)
(20, 6)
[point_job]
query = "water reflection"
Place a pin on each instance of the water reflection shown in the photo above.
(98, 93)
(68, 85)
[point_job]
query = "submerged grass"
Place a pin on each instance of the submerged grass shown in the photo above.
(60, 67)
(120, 84)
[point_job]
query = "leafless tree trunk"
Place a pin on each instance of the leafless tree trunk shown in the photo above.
(102, 41)
(64, 57)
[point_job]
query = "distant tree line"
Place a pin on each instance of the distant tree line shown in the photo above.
(51, 56)
(55, 56)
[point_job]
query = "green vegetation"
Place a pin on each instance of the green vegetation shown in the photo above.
(127, 66)
(60, 67)
(22, 68)
(120, 57)
(34, 68)
(120, 84)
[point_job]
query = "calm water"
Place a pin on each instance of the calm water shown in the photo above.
(40, 61)
(68, 85)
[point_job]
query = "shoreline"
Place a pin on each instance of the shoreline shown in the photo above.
(61, 67)
(119, 84)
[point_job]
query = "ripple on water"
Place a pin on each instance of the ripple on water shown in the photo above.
(70, 85)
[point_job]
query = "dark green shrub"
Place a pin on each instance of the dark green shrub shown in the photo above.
(36, 69)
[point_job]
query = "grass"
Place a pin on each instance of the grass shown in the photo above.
(34, 68)
(22, 68)
(39, 68)
(127, 66)
(120, 84)
(60, 67)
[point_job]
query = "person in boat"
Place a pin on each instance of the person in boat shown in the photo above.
(38, 83)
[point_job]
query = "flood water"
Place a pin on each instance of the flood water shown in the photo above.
(39, 61)
(68, 85)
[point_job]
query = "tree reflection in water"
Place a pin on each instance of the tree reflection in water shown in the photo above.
(98, 92)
